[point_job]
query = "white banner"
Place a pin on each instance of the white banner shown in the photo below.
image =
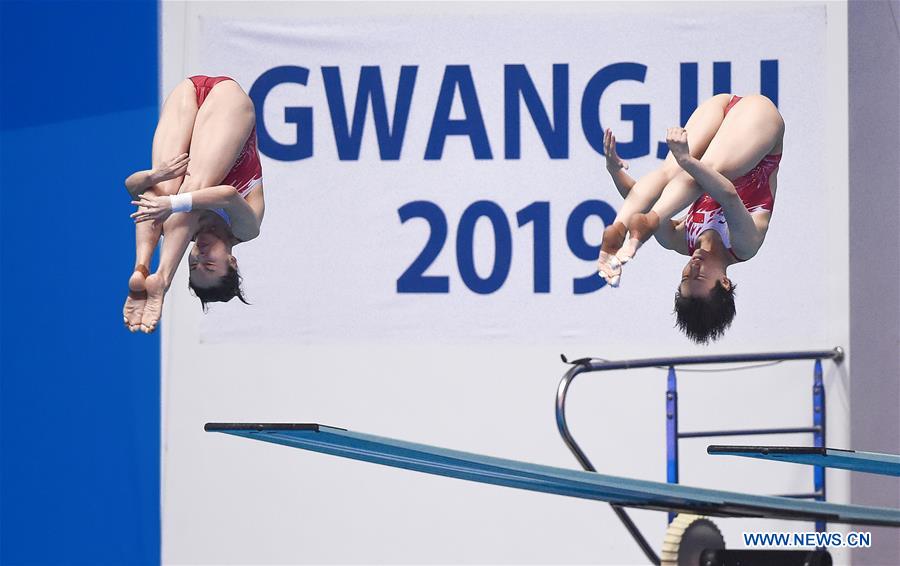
(486, 141)
(441, 178)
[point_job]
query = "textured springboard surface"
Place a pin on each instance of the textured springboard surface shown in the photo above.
(547, 479)
(869, 462)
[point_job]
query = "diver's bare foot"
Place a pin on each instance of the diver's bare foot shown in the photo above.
(137, 297)
(641, 227)
(156, 290)
(613, 238)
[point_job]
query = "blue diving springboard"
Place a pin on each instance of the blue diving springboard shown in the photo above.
(869, 462)
(547, 479)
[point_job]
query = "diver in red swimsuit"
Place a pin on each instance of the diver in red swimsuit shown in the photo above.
(728, 177)
(210, 193)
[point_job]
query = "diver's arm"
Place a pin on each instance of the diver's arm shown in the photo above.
(670, 235)
(210, 198)
(622, 180)
(178, 230)
(257, 202)
(616, 165)
(245, 219)
(746, 235)
(140, 181)
(246, 214)
(245, 223)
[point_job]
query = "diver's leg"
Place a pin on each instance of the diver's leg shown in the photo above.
(221, 129)
(752, 130)
(146, 235)
(171, 138)
(702, 125)
(179, 229)
(174, 131)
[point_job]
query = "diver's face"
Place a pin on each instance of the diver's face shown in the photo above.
(700, 274)
(209, 260)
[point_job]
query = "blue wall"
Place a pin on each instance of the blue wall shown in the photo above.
(79, 394)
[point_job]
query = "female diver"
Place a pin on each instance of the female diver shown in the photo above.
(215, 182)
(728, 177)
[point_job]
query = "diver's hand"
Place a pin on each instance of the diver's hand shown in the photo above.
(609, 268)
(152, 207)
(677, 139)
(613, 161)
(608, 265)
(171, 169)
(640, 227)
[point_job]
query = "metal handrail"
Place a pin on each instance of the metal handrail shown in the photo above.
(750, 432)
(589, 365)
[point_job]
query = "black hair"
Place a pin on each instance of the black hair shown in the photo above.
(705, 318)
(229, 287)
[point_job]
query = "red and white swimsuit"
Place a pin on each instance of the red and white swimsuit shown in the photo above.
(753, 188)
(246, 173)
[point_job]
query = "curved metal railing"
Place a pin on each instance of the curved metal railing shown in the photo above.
(588, 365)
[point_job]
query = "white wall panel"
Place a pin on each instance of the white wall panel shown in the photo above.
(328, 339)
